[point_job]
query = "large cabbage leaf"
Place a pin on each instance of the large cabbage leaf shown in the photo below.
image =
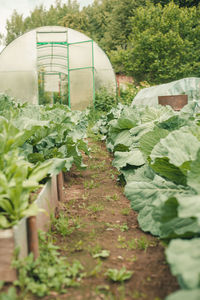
(185, 295)
(184, 259)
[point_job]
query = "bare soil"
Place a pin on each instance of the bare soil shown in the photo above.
(95, 198)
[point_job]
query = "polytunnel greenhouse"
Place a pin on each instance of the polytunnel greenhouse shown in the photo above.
(54, 63)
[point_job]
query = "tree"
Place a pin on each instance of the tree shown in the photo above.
(119, 24)
(181, 3)
(164, 44)
(18, 25)
(14, 27)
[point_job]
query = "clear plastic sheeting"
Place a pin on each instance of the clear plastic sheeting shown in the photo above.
(58, 63)
(81, 80)
(51, 82)
(186, 86)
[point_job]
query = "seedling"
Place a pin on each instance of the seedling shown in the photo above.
(124, 227)
(90, 184)
(98, 166)
(126, 211)
(82, 205)
(143, 243)
(138, 295)
(132, 245)
(122, 242)
(92, 234)
(133, 258)
(102, 254)
(1, 284)
(49, 272)
(64, 225)
(95, 249)
(148, 279)
(121, 239)
(95, 208)
(11, 294)
(79, 246)
(119, 275)
(101, 288)
(71, 202)
(108, 198)
(115, 197)
(85, 196)
(96, 270)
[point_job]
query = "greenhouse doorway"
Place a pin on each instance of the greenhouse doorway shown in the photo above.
(66, 72)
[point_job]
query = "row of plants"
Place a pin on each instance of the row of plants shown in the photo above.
(157, 152)
(36, 143)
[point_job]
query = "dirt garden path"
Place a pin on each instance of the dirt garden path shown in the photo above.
(103, 220)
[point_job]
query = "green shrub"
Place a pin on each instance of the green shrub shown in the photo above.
(104, 100)
(128, 94)
(164, 44)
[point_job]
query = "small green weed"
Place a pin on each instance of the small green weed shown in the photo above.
(91, 184)
(92, 234)
(49, 272)
(11, 294)
(123, 227)
(65, 225)
(132, 244)
(148, 278)
(102, 289)
(85, 196)
(1, 284)
(82, 205)
(97, 269)
(70, 203)
(94, 176)
(95, 208)
(143, 243)
(115, 197)
(119, 275)
(122, 241)
(94, 249)
(101, 166)
(126, 211)
(78, 246)
(95, 149)
(133, 258)
(138, 295)
(108, 198)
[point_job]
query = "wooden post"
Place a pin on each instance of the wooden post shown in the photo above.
(33, 244)
(7, 246)
(60, 184)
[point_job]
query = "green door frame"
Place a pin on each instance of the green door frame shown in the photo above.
(67, 45)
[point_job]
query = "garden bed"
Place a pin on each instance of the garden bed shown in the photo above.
(17, 237)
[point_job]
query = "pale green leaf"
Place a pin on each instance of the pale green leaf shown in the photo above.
(185, 295)
(133, 158)
(4, 223)
(193, 178)
(178, 147)
(150, 139)
(184, 259)
(142, 193)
